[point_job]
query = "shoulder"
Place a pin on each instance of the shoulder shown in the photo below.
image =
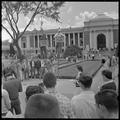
(4, 92)
(75, 98)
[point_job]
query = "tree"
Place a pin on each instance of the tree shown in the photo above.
(12, 50)
(72, 50)
(11, 12)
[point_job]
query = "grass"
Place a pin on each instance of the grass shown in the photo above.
(70, 72)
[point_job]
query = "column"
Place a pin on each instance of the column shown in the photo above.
(28, 43)
(64, 42)
(90, 39)
(95, 40)
(107, 39)
(112, 42)
(73, 38)
(78, 40)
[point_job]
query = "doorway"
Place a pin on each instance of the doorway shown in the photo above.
(101, 41)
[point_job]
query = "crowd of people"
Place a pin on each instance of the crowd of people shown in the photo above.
(44, 101)
(29, 68)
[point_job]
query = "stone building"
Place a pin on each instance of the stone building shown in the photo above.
(100, 32)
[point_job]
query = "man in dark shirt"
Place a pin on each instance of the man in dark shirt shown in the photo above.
(38, 66)
(13, 87)
(32, 65)
(108, 82)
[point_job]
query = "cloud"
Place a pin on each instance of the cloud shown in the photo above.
(113, 15)
(69, 9)
(77, 18)
(87, 15)
(84, 16)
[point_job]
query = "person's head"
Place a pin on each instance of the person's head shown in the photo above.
(79, 68)
(31, 90)
(85, 81)
(49, 80)
(106, 103)
(8, 73)
(107, 75)
(42, 106)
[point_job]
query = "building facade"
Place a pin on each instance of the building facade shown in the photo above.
(100, 32)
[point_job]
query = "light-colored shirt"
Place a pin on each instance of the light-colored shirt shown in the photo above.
(6, 103)
(64, 103)
(83, 105)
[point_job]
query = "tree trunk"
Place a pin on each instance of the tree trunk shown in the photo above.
(19, 52)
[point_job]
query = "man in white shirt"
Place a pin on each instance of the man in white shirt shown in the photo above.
(83, 104)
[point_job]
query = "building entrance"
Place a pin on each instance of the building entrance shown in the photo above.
(101, 41)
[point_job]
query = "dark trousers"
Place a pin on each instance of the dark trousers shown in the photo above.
(32, 72)
(38, 72)
(26, 74)
(15, 105)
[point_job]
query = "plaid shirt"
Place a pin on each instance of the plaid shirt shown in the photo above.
(64, 103)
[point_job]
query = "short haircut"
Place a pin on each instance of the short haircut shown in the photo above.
(85, 79)
(80, 68)
(42, 106)
(49, 80)
(107, 74)
(31, 90)
(107, 98)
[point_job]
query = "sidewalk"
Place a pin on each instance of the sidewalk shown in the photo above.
(98, 80)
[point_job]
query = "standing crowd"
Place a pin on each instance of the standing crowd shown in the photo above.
(44, 101)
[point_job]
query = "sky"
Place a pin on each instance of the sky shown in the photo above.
(72, 14)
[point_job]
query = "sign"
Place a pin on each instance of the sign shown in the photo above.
(43, 43)
(59, 37)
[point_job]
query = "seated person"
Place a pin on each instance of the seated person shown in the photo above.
(108, 82)
(42, 106)
(80, 70)
(107, 104)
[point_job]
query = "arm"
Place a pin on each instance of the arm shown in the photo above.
(7, 100)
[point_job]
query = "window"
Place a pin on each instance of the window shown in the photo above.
(36, 41)
(67, 39)
(36, 51)
(76, 38)
(71, 38)
(81, 35)
(53, 41)
(48, 37)
(23, 42)
(24, 45)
